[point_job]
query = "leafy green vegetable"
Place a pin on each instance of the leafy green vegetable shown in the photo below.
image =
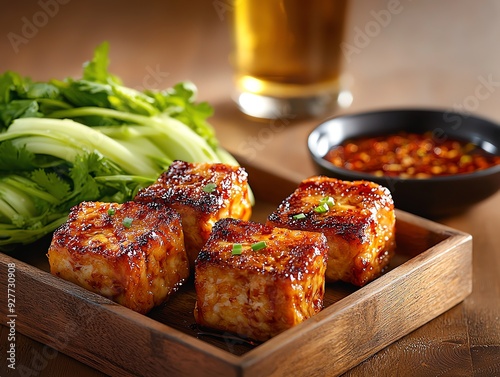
(66, 141)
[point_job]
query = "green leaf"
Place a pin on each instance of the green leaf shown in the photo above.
(179, 103)
(86, 175)
(9, 82)
(51, 183)
(43, 225)
(132, 101)
(24, 108)
(14, 158)
(39, 90)
(83, 93)
(97, 69)
(84, 185)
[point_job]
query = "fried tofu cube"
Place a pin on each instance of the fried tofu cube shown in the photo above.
(357, 218)
(131, 253)
(274, 282)
(202, 193)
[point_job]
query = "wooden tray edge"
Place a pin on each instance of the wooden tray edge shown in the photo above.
(72, 310)
(434, 262)
(263, 359)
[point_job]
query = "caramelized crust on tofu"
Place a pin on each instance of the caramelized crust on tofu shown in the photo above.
(202, 193)
(259, 293)
(131, 253)
(359, 224)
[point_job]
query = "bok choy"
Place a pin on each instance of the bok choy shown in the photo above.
(66, 141)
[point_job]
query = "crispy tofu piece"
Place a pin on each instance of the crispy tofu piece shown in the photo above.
(202, 193)
(131, 253)
(259, 293)
(358, 221)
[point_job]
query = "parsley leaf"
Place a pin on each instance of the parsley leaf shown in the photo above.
(84, 185)
(9, 82)
(51, 183)
(97, 69)
(18, 109)
(13, 158)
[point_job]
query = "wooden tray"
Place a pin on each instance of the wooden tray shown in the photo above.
(431, 273)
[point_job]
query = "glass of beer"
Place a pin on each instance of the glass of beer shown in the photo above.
(287, 56)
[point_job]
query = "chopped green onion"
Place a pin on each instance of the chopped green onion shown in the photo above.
(237, 248)
(322, 208)
(298, 216)
(328, 200)
(259, 245)
(209, 187)
(127, 222)
(111, 211)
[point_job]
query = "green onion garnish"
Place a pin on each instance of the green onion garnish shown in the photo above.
(328, 200)
(111, 211)
(127, 222)
(209, 187)
(237, 247)
(259, 245)
(299, 216)
(322, 208)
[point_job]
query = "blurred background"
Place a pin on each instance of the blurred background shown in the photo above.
(420, 53)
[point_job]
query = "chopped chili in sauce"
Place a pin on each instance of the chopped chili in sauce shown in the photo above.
(410, 155)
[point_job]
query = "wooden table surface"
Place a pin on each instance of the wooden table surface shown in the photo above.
(426, 54)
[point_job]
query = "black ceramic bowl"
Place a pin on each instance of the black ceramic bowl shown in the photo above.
(433, 197)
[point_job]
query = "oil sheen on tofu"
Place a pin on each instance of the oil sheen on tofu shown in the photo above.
(131, 253)
(259, 293)
(357, 218)
(202, 193)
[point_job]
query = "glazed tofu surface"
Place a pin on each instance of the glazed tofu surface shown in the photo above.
(358, 221)
(259, 293)
(202, 193)
(131, 253)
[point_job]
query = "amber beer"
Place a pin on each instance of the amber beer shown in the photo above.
(287, 50)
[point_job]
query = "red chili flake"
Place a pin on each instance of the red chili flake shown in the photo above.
(410, 155)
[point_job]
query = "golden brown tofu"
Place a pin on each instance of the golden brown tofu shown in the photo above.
(257, 294)
(357, 218)
(131, 253)
(202, 193)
